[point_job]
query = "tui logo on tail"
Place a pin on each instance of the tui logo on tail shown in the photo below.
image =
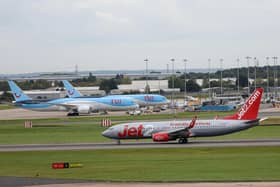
(71, 92)
(17, 95)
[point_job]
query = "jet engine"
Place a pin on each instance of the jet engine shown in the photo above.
(84, 109)
(161, 137)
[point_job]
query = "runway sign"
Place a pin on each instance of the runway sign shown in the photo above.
(64, 165)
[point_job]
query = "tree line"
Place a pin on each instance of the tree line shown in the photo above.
(191, 85)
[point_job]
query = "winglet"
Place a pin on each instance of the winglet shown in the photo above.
(262, 119)
(192, 124)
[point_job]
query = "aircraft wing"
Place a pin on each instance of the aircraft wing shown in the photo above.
(262, 119)
(181, 130)
(68, 106)
(80, 108)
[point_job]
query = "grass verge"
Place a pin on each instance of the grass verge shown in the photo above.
(191, 164)
(85, 131)
(6, 107)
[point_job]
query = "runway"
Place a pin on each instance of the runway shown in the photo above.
(138, 145)
(19, 113)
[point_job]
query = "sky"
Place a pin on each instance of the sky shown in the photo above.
(55, 35)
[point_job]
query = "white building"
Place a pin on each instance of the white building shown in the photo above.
(140, 85)
(89, 91)
(44, 94)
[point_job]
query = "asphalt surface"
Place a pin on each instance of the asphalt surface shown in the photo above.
(7, 181)
(44, 182)
(126, 145)
(19, 113)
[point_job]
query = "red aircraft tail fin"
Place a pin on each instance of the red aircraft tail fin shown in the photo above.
(250, 110)
(192, 122)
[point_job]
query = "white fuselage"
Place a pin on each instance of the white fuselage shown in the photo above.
(202, 128)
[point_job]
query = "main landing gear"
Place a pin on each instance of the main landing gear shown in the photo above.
(73, 114)
(183, 140)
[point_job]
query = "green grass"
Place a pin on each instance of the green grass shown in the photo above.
(259, 132)
(6, 107)
(81, 132)
(87, 129)
(172, 164)
(61, 133)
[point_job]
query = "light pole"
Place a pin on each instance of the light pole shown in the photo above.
(159, 86)
(173, 81)
(209, 82)
(248, 73)
(185, 86)
(275, 76)
(221, 66)
(267, 76)
(238, 75)
(256, 63)
(146, 89)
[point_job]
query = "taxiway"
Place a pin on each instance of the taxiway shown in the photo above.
(137, 145)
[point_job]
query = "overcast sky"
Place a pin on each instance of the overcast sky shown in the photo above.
(54, 35)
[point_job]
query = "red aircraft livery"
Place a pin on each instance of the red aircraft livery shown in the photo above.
(131, 132)
(163, 131)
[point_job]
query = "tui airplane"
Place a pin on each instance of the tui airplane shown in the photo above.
(74, 106)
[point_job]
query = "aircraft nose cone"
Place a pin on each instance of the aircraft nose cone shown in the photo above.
(105, 133)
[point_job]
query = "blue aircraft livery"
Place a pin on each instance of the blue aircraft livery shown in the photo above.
(72, 105)
(17, 92)
(140, 99)
(71, 91)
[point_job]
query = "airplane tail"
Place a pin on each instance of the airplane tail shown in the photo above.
(70, 90)
(192, 124)
(17, 92)
(250, 109)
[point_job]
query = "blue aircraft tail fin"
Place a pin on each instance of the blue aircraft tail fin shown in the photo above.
(17, 92)
(70, 90)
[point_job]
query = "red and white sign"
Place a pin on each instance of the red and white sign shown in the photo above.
(106, 123)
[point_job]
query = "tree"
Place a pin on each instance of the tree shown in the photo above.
(192, 86)
(4, 86)
(91, 78)
(215, 84)
(243, 81)
(121, 79)
(178, 83)
(108, 84)
(6, 97)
